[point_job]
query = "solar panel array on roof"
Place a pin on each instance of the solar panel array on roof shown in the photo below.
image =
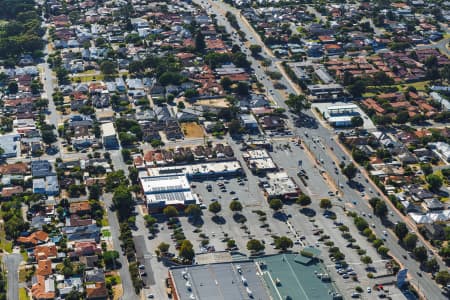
(179, 196)
(157, 189)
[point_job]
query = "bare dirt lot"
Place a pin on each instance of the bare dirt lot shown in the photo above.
(192, 130)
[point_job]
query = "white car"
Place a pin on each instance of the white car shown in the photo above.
(369, 290)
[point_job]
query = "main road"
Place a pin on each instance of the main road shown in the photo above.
(328, 152)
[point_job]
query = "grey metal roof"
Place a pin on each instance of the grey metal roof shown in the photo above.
(219, 281)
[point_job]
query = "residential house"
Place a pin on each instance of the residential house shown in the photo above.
(48, 186)
(43, 288)
(35, 238)
(41, 168)
(96, 291)
(89, 232)
(80, 208)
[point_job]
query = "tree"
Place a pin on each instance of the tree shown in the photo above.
(74, 295)
(360, 223)
(383, 251)
(357, 88)
(170, 211)
(325, 203)
(357, 121)
(432, 265)
(135, 66)
(427, 169)
(200, 44)
(350, 171)
(181, 105)
(187, 250)
(255, 245)
(67, 267)
(48, 136)
(381, 209)
(420, 253)
(108, 68)
(367, 260)
(123, 202)
(94, 192)
(434, 182)
(255, 49)
(283, 243)
(401, 230)
(114, 179)
(443, 277)
(410, 241)
(235, 206)
(167, 78)
(163, 247)
(242, 89)
(226, 83)
(149, 220)
(304, 200)
(297, 103)
(191, 93)
(193, 211)
(231, 243)
(276, 204)
(110, 258)
(234, 127)
(13, 88)
(373, 201)
(215, 207)
(402, 117)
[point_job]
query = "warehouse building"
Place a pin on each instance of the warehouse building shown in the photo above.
(218, 281)
(164, 190)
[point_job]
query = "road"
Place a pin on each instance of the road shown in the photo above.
(128, 290)
(12, 262)
(322, 151)
(127, 285)
(53, 116)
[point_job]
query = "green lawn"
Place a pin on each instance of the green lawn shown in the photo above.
(106, 233)
(367, 95)
(87, 78)
(113, 278)
(23, 294)
(4, 243)
(24, 255)
(420, 86)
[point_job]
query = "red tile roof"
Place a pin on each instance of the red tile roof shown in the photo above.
(44, 267)
(38, 289)
(34, 238)
(97, 290)
(45, 251)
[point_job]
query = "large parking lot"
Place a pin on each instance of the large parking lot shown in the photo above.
(305, 226)
(250, 195)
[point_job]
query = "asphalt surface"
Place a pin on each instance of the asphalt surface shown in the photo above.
(12, 262)
(323, 152)
(128, 290)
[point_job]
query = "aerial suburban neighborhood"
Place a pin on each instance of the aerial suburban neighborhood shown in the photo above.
(224, 149)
